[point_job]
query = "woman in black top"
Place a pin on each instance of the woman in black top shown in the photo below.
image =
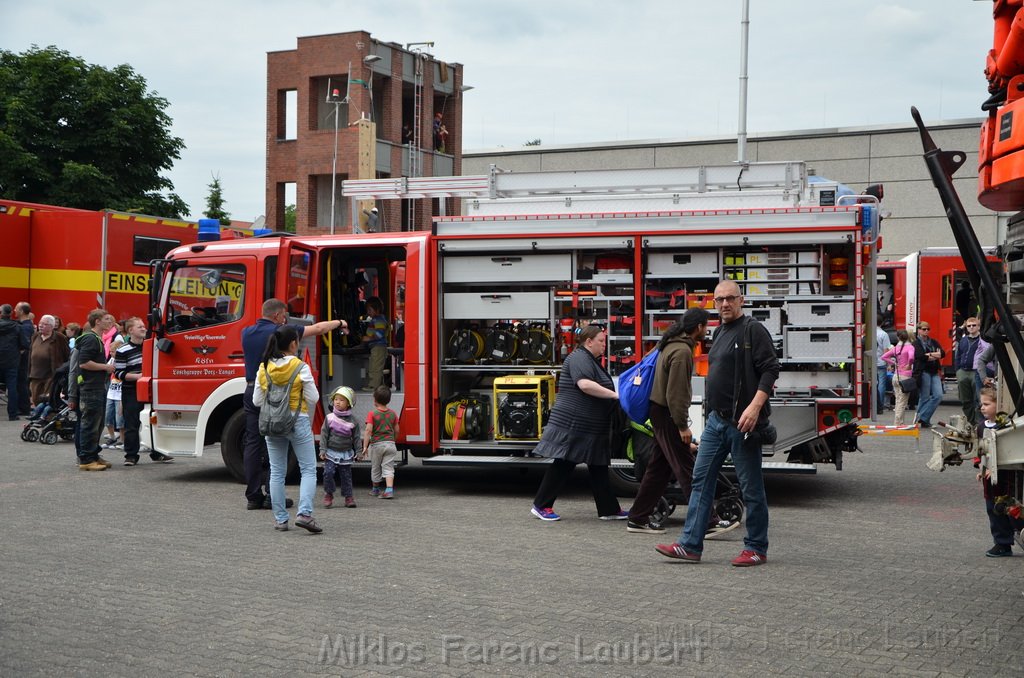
(577, 428)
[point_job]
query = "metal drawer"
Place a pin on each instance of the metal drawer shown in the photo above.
(496, 305)
(820, 314)
(771, 318)
(832, 346)
(682, 263)
(508, 268)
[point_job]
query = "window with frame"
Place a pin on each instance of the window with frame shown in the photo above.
(145, 248)
(201, 296)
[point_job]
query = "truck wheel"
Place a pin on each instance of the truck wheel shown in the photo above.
(232, 450)
(623, 481)
(232, 445)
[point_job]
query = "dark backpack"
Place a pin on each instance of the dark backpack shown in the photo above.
(635, 386)
(276, 416)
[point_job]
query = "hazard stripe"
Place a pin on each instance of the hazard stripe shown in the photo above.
(153, 220)
(871, 430)
(13, 277)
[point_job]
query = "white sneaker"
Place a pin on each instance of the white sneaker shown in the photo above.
(720, 528)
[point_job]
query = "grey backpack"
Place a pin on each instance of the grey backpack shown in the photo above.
(276, 416)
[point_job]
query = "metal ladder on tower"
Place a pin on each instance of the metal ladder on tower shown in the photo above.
(417, 134)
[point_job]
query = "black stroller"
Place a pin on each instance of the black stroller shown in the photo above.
(53, 420)
(728, 505)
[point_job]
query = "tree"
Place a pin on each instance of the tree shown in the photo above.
(289, 218)
(532, 142)
(80, 135)
(215, 203)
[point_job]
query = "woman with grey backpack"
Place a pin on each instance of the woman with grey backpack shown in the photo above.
(286, 395)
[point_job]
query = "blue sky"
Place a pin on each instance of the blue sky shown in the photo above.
(566, 72)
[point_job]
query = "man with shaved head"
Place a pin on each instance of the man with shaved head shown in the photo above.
(742, 369)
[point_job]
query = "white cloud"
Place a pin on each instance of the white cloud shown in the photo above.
(570, 71)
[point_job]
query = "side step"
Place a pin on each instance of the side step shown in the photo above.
(780, 467)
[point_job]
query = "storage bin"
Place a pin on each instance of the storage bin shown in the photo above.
(683, 263)
(507, 268)
(832, 346)
(819, 314)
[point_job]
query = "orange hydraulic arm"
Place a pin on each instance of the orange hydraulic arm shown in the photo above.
(1001, 149)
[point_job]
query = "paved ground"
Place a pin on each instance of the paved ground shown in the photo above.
(158, 570)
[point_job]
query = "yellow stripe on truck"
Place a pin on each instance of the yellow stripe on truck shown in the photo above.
(86, 281)
(13, 277)
(61, 279)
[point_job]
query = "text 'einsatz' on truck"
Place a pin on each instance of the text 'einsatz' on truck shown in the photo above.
(484, 307)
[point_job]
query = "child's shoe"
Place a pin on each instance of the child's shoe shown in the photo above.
(328, 501)
(350, 502)
(389, 493)
(375, 491)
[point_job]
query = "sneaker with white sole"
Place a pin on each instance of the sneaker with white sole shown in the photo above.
(641, 528)
(621, 515)
(545, 514)
(677, 552)
(720, 527)
(748, 558)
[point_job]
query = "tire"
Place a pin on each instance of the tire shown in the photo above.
(729, 508)
(232, 450)
(32, 435)
(623, 481)
(48, 438)
(24, 433)
(232, 445)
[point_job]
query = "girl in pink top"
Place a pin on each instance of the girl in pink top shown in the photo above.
(901, 357)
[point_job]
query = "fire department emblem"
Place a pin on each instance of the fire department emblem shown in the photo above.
(203, 349)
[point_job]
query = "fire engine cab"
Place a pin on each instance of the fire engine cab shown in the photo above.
(484, 307)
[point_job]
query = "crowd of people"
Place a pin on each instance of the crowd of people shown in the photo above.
(93, 369)
(913, 365)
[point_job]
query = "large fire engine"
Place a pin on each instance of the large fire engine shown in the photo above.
(924, 287)
(66, 261)
(485, 306)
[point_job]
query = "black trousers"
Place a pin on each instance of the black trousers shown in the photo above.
(560, 470)
(131, 406)
(669, 458)
(255, 461)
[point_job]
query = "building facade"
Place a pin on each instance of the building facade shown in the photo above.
(363, 109)
(858, 157)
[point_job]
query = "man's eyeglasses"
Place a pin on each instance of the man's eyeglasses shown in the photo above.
(924, 329)
(972, 324)
(726, 300)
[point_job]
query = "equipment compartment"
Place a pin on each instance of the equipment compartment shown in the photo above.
(508, 268)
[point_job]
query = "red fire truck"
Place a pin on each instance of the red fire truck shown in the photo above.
(489, 303)
(66, 261)
(923, 286)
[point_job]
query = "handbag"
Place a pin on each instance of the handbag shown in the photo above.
(908, 385)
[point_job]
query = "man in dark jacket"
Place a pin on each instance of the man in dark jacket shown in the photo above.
(23, 314)
(742, 369)
(12, 342)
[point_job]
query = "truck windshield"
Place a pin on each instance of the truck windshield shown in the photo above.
(206, 295)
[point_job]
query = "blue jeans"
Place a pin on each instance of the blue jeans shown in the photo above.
(301, 440)
(720, 439)
(880, 391)
(930, 396)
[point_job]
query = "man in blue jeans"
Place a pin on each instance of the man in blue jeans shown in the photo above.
(882, 344)
(740, 378)
(927, 368)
